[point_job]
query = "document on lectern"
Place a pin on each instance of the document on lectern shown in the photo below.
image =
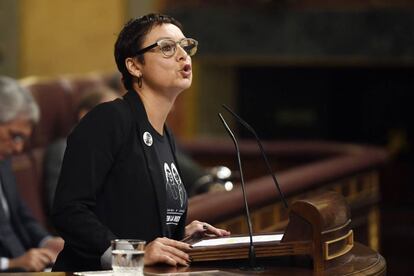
(235, 247)
(238, 240)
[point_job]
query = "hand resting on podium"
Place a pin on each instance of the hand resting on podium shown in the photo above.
(172, 252)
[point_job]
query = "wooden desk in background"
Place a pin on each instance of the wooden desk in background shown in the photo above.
(303, 169)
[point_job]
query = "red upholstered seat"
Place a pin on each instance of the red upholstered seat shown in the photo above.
(57, 99)
(53, 97)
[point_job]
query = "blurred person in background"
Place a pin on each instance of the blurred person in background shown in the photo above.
(199, 180)
(55, 151)
(24, 244)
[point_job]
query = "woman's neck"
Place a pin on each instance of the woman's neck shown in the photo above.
(157, 108)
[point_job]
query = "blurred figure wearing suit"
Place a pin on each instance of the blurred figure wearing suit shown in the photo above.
(24, 244)
(56, 150)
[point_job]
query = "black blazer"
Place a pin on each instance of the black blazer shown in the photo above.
(107, 188)
(21, 232)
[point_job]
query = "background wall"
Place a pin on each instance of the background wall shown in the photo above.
(251, 53)
(258, 44)
(9, 38)
(59, 37)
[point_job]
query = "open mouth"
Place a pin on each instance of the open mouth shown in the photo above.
(186, 71)
(186, 68)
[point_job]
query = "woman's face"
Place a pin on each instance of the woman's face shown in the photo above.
(166, 74)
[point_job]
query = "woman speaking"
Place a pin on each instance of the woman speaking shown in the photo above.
(120, 177)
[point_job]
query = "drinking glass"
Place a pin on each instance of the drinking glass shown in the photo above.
(128, 257)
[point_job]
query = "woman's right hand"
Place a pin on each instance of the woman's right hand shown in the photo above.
(164, 250)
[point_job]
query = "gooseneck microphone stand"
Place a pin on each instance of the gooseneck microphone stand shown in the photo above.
(252, 253)
(248, 127)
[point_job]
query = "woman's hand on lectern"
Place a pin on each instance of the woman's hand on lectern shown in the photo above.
(200, 229)
(168, 251)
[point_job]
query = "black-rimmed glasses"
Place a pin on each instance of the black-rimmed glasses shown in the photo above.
(168, 47)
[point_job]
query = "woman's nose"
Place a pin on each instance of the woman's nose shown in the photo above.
(181, 53)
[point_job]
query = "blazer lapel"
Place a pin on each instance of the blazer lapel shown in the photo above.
(5, 175)
(153, 164)
(3, 216)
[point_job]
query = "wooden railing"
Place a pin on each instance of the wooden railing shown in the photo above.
(352, 170)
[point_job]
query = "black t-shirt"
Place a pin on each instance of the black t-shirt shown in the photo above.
(175, 191)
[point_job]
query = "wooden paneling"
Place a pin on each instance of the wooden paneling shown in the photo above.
(363, 202)
(68, 36)
(9, 38)
(352, 171)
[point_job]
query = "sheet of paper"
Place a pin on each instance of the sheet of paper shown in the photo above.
(234, 240)
(94, 273)
(202, 273)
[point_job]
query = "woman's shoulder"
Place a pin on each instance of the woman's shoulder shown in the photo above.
(107, 117)
(111, 111)
(116, 108)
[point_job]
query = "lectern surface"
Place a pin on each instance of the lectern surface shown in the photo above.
(360, 261)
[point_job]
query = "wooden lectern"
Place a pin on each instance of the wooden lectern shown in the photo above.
(318, 227)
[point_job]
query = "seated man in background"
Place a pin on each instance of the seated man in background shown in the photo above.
(55, 151)
(24, 244)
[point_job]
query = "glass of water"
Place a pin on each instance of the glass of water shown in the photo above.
(128, 257)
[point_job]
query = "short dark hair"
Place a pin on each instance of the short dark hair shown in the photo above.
(132, 36)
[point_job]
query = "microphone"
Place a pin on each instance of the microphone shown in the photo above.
(252, 252)
(249, 128)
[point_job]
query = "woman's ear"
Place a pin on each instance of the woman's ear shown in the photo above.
(133, 67)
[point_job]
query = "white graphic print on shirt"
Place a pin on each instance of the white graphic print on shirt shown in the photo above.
(177, 194)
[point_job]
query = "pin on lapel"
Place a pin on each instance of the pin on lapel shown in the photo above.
(147, 137)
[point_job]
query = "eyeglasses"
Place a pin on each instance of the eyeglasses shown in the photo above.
(18, 138)
(168, 47)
